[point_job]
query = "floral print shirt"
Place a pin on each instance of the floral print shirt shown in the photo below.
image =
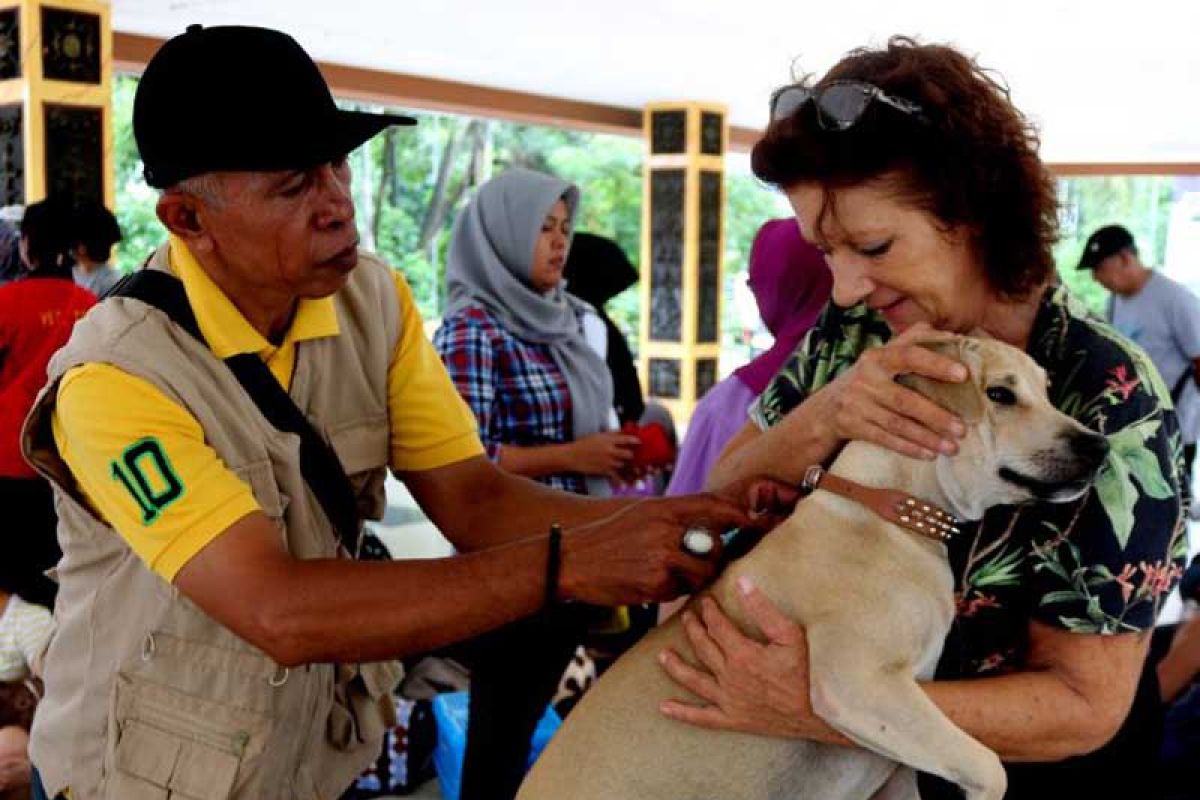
(1100, 565)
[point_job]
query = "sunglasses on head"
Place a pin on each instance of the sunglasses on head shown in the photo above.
(840, 104)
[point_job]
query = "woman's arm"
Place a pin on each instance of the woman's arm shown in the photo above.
(865, 402)
(1181, 664)
(1073, 695)
(1071, 699)
(606, 454)
(783, 452)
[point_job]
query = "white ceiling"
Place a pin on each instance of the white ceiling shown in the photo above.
(1107, 80)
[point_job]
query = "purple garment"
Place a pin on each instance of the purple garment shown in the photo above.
(718, 416)
(791, 284)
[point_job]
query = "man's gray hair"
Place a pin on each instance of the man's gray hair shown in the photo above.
(207, 186)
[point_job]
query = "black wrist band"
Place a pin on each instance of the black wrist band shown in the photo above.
(553, 564)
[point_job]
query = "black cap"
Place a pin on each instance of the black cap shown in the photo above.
(235, 98)
(1106, 241)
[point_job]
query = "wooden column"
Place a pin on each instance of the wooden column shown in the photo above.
(55, 100)
(683, 210)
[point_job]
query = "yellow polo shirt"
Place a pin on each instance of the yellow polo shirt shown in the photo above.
(106, 420)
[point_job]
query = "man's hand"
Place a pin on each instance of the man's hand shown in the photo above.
(636, 555)
(769, 501)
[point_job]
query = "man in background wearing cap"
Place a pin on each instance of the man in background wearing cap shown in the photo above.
(1160, 314)
(213, 640)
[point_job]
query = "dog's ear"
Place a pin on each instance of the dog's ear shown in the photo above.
(964, 399)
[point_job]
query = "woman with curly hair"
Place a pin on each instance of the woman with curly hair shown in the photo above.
(911, 169)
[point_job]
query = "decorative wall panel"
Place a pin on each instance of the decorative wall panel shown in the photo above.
(709, 308)
(10, 44)
(70, 45)
(706, 375)
(668, 132)
(12, 156)
(665, 379)
(666, 254)
(711, 130)
(75, 151)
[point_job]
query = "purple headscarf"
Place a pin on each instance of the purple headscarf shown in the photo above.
(791, 284)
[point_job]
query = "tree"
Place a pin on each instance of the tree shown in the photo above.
(1140, 203)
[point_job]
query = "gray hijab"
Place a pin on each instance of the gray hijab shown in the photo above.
(489, 263)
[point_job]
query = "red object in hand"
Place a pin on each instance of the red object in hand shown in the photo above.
(654, 446)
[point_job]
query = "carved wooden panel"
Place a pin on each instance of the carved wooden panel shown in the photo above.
(70, 45)
(666, 254)
(12, 156)
(710, 133)
(665, 378)
(75, 151)
(668, 131)
(708, 313)
(10, 44)
(706, 375)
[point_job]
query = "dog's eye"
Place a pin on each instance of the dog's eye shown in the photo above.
(1002, 395)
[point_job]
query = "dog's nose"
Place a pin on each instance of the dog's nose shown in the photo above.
(1090, 448)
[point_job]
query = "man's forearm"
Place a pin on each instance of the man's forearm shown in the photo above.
(477, 505)
(332, 610)
(518, 507)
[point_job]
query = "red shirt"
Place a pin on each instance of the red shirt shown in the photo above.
(36, 317)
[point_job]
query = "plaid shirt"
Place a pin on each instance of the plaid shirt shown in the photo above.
(517, 392)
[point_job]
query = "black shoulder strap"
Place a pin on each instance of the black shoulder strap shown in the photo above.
(1177, 389)
(319, 463)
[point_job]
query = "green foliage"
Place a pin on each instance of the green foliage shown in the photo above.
(748, 204)
(397, 180)
(140, 228)
(1140, 203)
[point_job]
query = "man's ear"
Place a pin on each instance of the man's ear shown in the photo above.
(180, 214)
(964, 399)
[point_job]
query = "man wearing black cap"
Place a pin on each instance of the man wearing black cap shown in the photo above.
(217, 430)
(1160, 314)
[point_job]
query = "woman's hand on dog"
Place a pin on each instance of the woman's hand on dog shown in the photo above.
(745, 685)
(866, 402)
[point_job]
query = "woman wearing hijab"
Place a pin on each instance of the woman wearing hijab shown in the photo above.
(791, 285)
(598, 270)
(513, 342)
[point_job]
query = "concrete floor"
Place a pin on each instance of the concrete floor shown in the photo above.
(430, 791)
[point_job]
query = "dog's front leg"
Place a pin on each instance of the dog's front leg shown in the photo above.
(884, 709)
(902, 785)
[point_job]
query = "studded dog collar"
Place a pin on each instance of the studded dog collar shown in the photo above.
(919, 517)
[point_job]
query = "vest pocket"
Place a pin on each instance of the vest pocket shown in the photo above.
(362, 449)
(167, 744)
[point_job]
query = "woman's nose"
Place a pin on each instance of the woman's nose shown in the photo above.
(850, 282)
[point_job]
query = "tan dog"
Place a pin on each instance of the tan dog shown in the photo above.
(877, 603)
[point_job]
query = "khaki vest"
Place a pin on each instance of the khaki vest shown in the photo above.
(146, 696)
